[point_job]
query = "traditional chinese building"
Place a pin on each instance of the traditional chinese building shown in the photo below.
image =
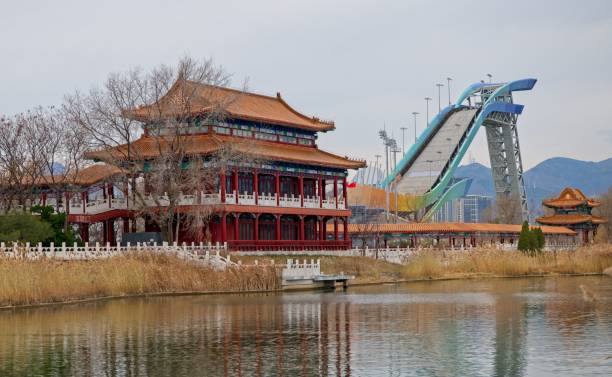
(572, 209)
(453, 235)
(285, 199)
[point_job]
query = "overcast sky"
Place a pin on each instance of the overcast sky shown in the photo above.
(361, 64)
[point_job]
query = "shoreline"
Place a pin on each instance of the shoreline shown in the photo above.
(282, 291)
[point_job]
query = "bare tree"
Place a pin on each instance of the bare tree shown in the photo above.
(167, 105)
(505, 210)
(604, 232)
(20, 163)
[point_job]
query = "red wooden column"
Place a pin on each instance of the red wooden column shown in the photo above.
(104, 231)
(277, 187)
(110, 231)
(84, 200)
(320, 188)
(345, 192)
(223, 227)
(302, 236)
(321, 228)
(43, 199)
(256, 186)
(222, 184)
(346, 231)
(336, 193)
(236, 184)
(256, 235)
(126, 225)
(236, 226)
(335, 228)
(301, 187)
(84, 230)
(278, 227)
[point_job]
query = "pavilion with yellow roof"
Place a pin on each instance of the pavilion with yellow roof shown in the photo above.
(573, 210)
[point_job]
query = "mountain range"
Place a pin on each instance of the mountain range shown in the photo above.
(546, 179)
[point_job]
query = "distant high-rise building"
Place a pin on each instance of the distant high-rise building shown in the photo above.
(472, 207)
(467, 209)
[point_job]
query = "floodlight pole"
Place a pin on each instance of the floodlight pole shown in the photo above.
(427, 99)
(415, 113)
(439, 102)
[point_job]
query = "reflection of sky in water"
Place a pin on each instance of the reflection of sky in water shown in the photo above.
(503, 327)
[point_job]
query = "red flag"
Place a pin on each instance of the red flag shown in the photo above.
(352, 185)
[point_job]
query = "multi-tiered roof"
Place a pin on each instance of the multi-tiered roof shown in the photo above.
(256, 109)
(571, 207)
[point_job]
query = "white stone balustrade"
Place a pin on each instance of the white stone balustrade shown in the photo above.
(246, 199)
(230, 197)
(297, 271)
(290, 201)
(214, 198)
(202, 253)
(329, 203)
(341, 204)
(96, 206)
(266, 200)
(312, 202)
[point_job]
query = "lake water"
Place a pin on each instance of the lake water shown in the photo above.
(496, 327)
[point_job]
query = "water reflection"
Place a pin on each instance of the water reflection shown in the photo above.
(471, 328)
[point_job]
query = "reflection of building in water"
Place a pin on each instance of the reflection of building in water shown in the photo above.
(443, 328)
(510, 356)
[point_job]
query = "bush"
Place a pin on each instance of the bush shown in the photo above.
(57, 223)
(524, 242)
(540, 240)
(531, 241)
(24, 227)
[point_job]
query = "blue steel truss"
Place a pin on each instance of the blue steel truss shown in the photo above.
(497, 112)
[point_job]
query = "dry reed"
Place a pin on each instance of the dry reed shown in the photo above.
(491, 262)
(434, 264)
(25, 282)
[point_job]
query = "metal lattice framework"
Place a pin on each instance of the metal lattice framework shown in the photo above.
(485, 104)
(505, 156)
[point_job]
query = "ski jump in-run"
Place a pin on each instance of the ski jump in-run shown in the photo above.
(423, 180)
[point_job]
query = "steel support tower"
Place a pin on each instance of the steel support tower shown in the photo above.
(505, 156)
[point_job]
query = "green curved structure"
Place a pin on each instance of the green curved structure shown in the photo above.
(428, 167)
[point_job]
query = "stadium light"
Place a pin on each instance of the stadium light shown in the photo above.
(427, 99)
(439, 90)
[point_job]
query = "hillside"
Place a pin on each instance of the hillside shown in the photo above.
(547, 178)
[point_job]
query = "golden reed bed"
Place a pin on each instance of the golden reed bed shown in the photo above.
(24, 282)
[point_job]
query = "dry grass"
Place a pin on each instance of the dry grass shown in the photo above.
(30, 282)
(480, 262)
(490, 262)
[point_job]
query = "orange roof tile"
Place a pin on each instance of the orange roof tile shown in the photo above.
(417, 228)
(569, 219)
(237, 104)
(149, 147)
(85, 177)
(570, 197)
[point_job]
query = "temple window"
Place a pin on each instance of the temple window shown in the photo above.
(221, 130)
(245, 183)
(265, 136)
(305, 142)
(287, 139)
(266, 184)
(289, 186)
(242, 133)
